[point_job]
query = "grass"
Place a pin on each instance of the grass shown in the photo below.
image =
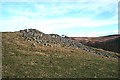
(20, 60)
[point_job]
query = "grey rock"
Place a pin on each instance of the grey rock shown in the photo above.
(53, 39)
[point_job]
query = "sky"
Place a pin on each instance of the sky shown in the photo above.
(78, 18)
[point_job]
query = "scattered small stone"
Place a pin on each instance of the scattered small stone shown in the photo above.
(33, 45)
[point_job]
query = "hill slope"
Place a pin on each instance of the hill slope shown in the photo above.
(27, 57)
(109, 43)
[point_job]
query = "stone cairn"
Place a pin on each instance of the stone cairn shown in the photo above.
(54, 39)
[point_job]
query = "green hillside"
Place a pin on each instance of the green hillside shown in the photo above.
(22, 59)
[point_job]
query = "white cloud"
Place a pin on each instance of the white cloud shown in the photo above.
(59, 0)
(106, 1)
(93, 34)
(81, 22)
(42, 10)
(22, 20)
(62, 8)
(51, 25)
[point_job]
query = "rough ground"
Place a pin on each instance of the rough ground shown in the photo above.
(33, 54)
(109, 43)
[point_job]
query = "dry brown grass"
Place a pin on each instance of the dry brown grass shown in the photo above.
(21, 60)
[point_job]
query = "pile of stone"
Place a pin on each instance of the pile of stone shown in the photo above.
(51, 40)
(47, 39)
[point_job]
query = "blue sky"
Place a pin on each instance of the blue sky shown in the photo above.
(72, 18)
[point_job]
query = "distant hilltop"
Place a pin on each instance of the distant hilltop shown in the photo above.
(109, 42)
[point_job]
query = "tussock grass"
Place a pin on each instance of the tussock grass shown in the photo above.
(20, 60)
